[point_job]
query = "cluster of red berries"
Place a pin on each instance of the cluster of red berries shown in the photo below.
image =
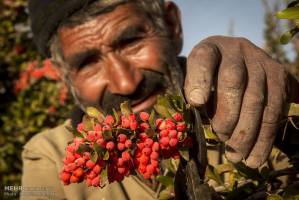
(122, 145)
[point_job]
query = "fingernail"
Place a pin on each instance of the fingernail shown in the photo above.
(253, 162)
(232, 155)
(196, 97)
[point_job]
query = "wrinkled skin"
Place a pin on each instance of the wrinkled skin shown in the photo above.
(250, 87)
(250, 94)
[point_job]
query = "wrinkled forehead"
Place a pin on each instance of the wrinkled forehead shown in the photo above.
(106, 28)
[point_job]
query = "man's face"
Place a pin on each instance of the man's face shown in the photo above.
(117, 56)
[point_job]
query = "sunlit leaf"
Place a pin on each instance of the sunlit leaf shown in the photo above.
(166, 180)
(288, 13)
(184, 152)
(125, 108)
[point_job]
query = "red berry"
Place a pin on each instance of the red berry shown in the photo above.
(181, 127)
(170, 124)
(70, 167)
(144, 159)
(96, 181)
(149, 142)
(132, 117)
(142, 168)
(147, 175)
(147, 151)
(74, 179)
(110, 146)
(109, 120)
(164, 133)
(150, 169)
(65, 176)
(173, 134)
(128, 144)
(155, 146)
(144, 116)
(173, 142)
(144, 126)
(126, 156)
(120, 162)
(97, 127)
(164, 141)
(97, 169)
(178, 117)
(78, 172)
(154, 155)
(80, 161)
(133, 125)
(106, 128)
(80, 127)
(158, 121)
(121, 170)
(122, 138)
(155, 163)
(125, 123)
(140, 145)
(121, 146)
(101, 142)
(90, 164)
(143, 136)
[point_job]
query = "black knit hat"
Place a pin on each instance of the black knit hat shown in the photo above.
(45, 16)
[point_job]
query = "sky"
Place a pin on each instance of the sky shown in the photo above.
(203, 18)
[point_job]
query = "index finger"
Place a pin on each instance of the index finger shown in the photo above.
(201, 66)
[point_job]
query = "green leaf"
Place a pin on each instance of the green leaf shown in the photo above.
(104, 176)
(98, 149)
(107, 135)
(184, 152)
(125, 108)
(274, 197)
(213, 174)
(293, 110)
(93, 112)
(123, 131)
(223, 168)
(287, 36)
(166, 194)
(94, 156)
(150, 132)
(106, 155)
(209, 134)
(166, 180)
(88, 123)
(83, 148)
(288, 13)
(116, 116)
(151, 120)
(162, 111)
(178, 103)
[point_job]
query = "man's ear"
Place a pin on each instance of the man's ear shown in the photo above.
(173, 21)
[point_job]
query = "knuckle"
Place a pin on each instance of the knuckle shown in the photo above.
(232, 77)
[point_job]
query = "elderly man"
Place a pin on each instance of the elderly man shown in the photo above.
(109, 51)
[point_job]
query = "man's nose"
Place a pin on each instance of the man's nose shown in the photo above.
(124, 79)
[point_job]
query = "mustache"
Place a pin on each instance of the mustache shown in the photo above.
(151, 82)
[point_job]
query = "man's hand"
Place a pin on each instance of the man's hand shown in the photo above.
(250, 93)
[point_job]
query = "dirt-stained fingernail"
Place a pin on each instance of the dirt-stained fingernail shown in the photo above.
(232, 155)
(195, 96)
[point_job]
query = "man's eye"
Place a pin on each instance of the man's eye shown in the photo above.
(88, 61)
(130, 41)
